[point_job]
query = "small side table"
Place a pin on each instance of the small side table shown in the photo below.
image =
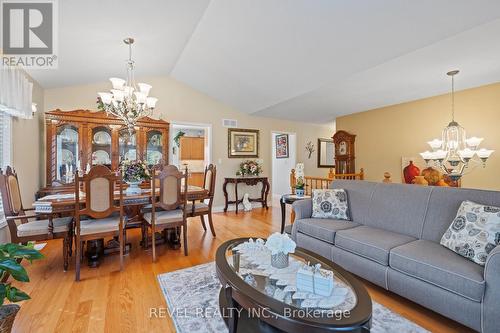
(248, 180)
(289, 199)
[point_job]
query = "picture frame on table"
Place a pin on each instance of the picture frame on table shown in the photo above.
(242, 143)
(282, 146)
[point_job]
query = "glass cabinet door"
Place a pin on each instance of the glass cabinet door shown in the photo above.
(101, 146)
(154, 147)
(127, 145)
(67, 158)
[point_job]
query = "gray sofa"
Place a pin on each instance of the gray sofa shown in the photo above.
(393, 241)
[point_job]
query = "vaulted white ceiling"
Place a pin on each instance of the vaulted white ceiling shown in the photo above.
(307, 60)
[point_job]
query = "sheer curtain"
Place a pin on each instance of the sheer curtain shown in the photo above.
(15, 93)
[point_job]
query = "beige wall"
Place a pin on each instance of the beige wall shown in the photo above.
(27, 149)
(179, 102)
(385, 135)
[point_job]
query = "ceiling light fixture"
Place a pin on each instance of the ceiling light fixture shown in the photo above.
(126, 101)
(454, 153)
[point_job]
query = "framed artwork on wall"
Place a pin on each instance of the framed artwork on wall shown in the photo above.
(242, 143)
(282, 146)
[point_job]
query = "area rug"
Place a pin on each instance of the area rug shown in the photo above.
(192, 298)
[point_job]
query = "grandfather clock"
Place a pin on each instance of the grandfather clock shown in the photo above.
(344, 152)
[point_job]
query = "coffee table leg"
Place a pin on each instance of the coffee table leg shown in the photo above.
(233, 313)
(283, 210)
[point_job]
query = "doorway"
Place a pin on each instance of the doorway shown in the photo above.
(190, 146)
(281, 167)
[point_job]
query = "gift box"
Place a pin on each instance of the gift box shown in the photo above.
(315, 280)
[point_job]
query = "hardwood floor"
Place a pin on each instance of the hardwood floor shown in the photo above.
(106, 300)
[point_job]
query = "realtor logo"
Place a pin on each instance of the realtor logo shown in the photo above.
(29, 33)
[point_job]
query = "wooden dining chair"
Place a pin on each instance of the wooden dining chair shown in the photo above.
(202, 208)
(22, 230)
(169, 210)
(101, 216)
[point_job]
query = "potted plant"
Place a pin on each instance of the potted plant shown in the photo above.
(299, 187)
(134, 173)
(11, 256)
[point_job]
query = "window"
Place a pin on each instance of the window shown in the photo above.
(5, 149)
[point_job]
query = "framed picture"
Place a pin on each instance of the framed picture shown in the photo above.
(242, 143)
(282, 146)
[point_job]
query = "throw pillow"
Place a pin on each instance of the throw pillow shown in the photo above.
(474, 232)
(330, 204)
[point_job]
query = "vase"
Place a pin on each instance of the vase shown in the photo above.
(133, 188)
(8, 313)
(279, 260)
(299, 192)
(420, 180)
(410, 172)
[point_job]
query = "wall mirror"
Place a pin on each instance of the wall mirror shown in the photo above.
(326, 153)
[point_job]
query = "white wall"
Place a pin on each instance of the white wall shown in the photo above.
(281, 167)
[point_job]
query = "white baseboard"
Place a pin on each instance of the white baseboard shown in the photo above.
(232, 207)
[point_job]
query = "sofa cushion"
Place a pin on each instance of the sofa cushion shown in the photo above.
(359, 193)
(430, 262)
(371, 243)
(443, 205)
(330, 204)
(399, 208)
(323, 229)
(474, 232)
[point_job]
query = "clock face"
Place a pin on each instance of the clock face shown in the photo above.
(342, 148)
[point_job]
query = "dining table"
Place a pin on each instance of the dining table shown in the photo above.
(62, 203)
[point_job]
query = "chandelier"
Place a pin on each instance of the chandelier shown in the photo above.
(125, 101)
(454, 153)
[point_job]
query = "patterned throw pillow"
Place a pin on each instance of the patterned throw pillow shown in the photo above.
(330, 204)
(474, 232)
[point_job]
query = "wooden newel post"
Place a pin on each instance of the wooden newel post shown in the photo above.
(293, 181)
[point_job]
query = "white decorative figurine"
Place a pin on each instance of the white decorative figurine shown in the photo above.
(246, 203)
(299, 170)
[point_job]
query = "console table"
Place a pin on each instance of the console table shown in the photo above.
(249, 180)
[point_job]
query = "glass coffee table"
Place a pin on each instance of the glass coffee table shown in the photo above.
(255, 297)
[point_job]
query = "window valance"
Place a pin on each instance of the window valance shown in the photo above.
(16, 92)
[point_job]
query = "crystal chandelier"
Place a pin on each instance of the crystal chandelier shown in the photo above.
(454, 153)
(126, 101)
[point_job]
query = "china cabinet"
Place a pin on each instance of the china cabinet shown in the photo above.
(80, 138)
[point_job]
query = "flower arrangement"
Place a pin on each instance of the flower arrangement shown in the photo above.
(249, 168)
(134, 171)
(280, 243)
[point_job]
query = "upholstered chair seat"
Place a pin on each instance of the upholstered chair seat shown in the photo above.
(198, 207)
(41, 227)
(89, 227)
(167, 216)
